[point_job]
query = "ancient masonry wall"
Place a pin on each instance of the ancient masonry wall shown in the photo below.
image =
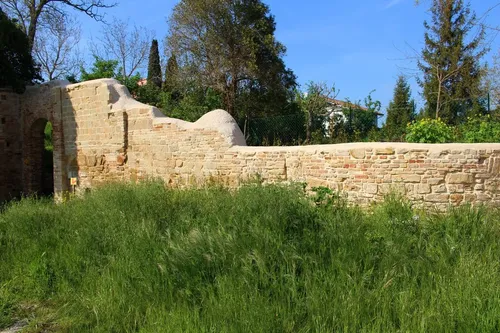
(10, 146)
(119, 139)
(104, 135)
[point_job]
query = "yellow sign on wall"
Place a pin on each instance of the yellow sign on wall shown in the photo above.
(73, 181)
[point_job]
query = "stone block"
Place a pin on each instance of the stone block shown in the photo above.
(370, 188)
(384, 151)
(411, 178)
(391, 188)
(439, 188)
(423, 188)
(459, 178)
(435, 181)
(456, 198)
(358, 154)
(437, 197)
(456, 188)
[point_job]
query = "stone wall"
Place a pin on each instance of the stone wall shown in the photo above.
(107, 136)
(10, 146)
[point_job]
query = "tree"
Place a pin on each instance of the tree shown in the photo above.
(29, 13)
(171, 74)
(103, 69)
(229, 46)
(400, 111)
(17, 67)
(493, 80)
(154, 67)
(54, 48)
(315, 104)
(129, 44)
(450, 61)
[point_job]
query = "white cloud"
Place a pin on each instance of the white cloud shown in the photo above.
(392, 3)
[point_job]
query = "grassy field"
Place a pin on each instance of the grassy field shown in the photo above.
(262, 259)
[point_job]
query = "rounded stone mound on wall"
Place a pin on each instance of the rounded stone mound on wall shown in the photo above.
(223, 122)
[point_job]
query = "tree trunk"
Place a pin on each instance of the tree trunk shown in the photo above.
(231, 96)
(438, 102)
(309, 126)
(32, 32)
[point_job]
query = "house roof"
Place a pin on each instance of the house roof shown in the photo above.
(345, 104)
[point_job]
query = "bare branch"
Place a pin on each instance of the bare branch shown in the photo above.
(30, 13)
(56, 48)
(128, 44)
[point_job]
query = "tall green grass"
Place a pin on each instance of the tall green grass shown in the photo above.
(261, 259)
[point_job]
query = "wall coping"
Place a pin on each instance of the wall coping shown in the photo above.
(371, 145)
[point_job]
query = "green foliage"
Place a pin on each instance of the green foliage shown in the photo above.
(356, 123)
(154, 67)
(230, 47)
(451, 62)
(429, 131)
(101, 69)
(172, 79)
(193, 104)
(108, 69)
(260, 259)
(17, 67)
(479, 129)
(48, 143)
(314, 103)
(400, 111)
(286, 129)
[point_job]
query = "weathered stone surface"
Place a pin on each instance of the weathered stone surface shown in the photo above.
(358, 153)
(370, 188)
(459, 178)
(411, 178)
(91, 160)
(423, 188)
(121, 159)
(437, 197)
(384, 151)
(439, 188)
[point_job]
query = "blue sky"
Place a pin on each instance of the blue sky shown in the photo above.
(359, 46)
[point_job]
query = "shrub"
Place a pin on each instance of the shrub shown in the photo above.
(429, 131)
(480, 129)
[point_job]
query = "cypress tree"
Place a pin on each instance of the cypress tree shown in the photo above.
(450, 61)
(400, 111)
(171, 74)
(154, 67)
(171, 78)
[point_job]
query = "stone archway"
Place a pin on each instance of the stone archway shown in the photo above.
(39, 165)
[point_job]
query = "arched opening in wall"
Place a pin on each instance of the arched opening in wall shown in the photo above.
(40, 158)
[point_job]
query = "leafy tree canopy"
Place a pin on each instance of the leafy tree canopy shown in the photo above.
(450, 61)
(102, 69)
(17, 67)
(230, 47)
